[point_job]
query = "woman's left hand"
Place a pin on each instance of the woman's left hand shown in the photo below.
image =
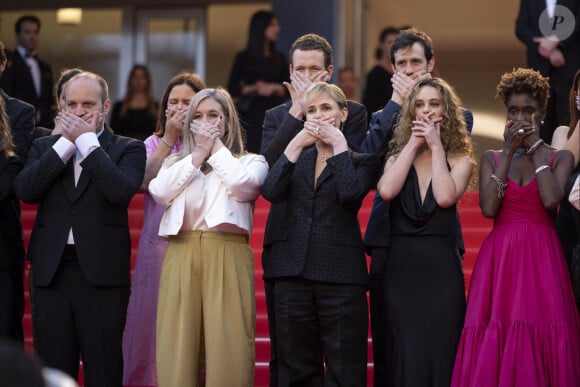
(325, 131)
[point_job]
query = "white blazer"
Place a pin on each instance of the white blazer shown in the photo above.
(232, 187)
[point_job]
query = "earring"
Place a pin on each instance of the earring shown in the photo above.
(542, 122)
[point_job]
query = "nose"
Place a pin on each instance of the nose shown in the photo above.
(79, 111)
(409, 69)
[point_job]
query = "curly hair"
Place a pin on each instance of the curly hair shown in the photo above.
(525, 81)
(454, 137)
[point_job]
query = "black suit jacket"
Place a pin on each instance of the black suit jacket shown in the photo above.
(527, 28)
(11, 243)
(279, 128)
(17, 82)
(377, 141)
(321, 238)
(96, 208)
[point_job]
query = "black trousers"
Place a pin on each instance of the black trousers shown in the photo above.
(12, 293)
(321, 325)
(378, 316)
(73, 317)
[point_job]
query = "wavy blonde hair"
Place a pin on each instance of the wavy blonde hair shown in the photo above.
(454, 137)
(232, 139)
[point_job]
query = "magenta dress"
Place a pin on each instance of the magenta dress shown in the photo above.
(139, 334)
(521, 327)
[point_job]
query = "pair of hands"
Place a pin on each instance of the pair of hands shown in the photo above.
(268, 89)
(520, 133)
(175, 120)
(71, 126)
(403, 83)
(426, 130)
(207, 136)
(548, 48)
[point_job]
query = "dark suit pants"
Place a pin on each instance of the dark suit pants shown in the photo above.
(72, 317)
(318, 321)
(378, 318)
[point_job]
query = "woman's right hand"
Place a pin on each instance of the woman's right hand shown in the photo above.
(174, 123)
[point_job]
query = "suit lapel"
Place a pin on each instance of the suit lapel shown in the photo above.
(84, 178)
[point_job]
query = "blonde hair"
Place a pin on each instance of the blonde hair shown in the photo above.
(6, 144)
(232, 139)
(318, 88)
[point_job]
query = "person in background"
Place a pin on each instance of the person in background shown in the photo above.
(319, 267)
(135, 115)
(568, 219)
(206, 314)
(21, 126)
(520, 309)
(26, 76)
(256, 76)
(429, 167)
(378, 87)
(556, 57)
(310, 61)
(80, 247)
(348, 82)
(139, 367)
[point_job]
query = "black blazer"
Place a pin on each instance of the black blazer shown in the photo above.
(280, 127)
(320, 238)
(11, 243)
(528, 27)
(21, 118)
(17, 82)
(96, 209)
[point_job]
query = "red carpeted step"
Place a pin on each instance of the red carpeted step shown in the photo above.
(475, 228)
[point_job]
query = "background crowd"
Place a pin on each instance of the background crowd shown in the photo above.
(202, 156)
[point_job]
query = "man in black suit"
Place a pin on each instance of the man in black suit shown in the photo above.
(80, 246)
(27, 77)
(21, 121)
(413, 59)
(310, 61)
(556, 55)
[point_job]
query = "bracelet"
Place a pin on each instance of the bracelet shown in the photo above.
(541, 168)
(166, 143)
(533, 148)
(500, 185)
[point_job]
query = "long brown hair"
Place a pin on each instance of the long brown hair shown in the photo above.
(130, 93)
(192, 80)
(6, 144)
(454, 137)
(574, 111)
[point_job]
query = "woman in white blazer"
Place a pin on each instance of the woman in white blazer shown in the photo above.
(206, 308)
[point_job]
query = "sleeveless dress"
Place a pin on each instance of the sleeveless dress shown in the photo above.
(424, 290)
(521, 326)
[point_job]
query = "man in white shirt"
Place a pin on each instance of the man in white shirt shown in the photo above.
(80, 248)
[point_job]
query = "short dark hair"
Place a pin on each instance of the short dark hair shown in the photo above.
(311, 42)
(524, 81)
(384, 33)
(26, 19)
(409, 37)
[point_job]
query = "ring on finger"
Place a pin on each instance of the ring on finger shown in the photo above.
(521, 131)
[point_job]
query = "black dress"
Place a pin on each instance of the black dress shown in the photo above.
(247, 70)
(424, 290)
(135, 123)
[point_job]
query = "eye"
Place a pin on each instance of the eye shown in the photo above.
(530, 111)
(196, 116)
(310, 111)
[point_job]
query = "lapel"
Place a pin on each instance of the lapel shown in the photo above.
(84, 178)
(307, 166)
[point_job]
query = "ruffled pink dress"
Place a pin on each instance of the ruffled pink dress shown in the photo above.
(521, 326)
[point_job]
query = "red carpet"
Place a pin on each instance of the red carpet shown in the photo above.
(475, 228)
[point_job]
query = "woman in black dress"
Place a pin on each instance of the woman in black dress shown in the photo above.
(257, 75)
(428, 169)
